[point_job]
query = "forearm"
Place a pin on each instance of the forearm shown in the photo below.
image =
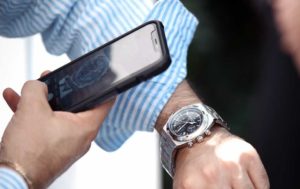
(76, 27)
(183, 95)
(218, 156)
(138, 108)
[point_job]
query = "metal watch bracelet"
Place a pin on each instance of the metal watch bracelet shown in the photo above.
(169, 146)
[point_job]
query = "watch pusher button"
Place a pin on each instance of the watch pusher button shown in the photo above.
(207, 132)
(190, 144)
(199, 138)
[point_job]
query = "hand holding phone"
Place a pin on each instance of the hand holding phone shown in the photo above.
(109, 70)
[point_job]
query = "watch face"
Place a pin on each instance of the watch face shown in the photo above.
(185, 122)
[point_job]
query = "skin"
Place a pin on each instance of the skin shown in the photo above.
(45, 143)
(230, 162)
(58, 139)
(222, 160)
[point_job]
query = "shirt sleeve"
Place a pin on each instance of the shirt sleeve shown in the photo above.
(11, 179)
(78, 26)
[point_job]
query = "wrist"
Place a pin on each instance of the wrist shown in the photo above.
(183, 95)
(218, 134)
(24, 166)
(188, 126)
(18, 170)
(207, 146)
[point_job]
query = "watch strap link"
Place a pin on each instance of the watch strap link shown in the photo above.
(217, 118)
(167, 153)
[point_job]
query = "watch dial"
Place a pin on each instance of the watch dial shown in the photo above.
(186, 122)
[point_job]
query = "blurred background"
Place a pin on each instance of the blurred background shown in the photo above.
(236, 65)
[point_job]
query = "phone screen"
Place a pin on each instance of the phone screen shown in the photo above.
(96, 73)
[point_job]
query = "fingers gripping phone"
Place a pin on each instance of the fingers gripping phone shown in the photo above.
(109, 70)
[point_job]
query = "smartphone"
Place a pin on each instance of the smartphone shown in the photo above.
(109, 70)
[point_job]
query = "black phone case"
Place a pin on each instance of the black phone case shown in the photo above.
(127, 83)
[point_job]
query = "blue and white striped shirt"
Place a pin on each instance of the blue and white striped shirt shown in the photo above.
(78, 26)
(9, 179)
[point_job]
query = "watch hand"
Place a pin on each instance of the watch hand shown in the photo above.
(188, 116)
(180, 128)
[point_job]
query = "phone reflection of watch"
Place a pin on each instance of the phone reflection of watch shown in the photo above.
(185, 127)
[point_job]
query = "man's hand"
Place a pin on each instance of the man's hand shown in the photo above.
(45, 143)
(222, 160)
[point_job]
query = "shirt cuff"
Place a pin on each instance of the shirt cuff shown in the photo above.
(139, 108)
(11, 179)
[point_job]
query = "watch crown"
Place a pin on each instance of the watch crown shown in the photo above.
(190, 144)
(207, 132)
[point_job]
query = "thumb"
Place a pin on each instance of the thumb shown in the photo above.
(12, 98)
(96, 116)
(34, 93)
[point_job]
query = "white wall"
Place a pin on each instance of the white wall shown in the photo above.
(135, 166)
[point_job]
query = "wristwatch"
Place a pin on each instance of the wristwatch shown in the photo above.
(185, 127)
